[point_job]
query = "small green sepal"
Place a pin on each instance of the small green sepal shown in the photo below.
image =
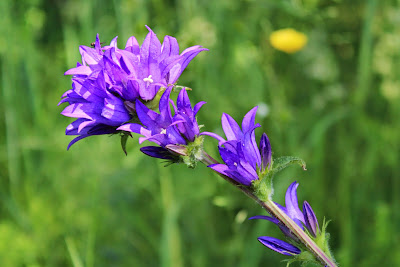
(194, 152)
(262, 190)
(306, 258)
(124, 138)
(154, 103)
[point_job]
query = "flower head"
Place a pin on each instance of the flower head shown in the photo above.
(106, 85)
(306, 218)
(164, 128)
(243, 159)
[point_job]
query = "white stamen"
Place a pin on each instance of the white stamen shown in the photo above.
(163, 131)
(148, 79)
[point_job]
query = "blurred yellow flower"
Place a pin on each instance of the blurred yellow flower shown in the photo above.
(288, 40)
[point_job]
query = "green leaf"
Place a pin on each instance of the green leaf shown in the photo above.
(153, 104)
(124, 138)
(282, 163)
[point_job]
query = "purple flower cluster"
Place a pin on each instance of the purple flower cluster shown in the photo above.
(164, 128)
(243, 159)
(303, 219)
(109, 81)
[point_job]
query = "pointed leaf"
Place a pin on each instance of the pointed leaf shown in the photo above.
(282, 163)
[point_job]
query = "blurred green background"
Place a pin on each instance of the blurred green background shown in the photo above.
(336, 104)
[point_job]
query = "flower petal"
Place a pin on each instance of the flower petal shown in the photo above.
(292, 204)
(279, 245)
(231, 128)
(310, 219)
(249, 120)
(265, 148)
(263, 217)
(157, 152)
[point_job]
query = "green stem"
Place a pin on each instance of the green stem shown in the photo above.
(276, 212)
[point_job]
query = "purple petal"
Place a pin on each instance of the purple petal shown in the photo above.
(165, 110)
(114, 109)
(169, 64)
(75, 128)
(149, 53)
(231, 128)
(186, 126)
(89, 55)
(186, 58)
(129, 63)
(76, 139)
(71, 97)
(263, 217)
(249, 120)
(214, 135)
(250, 149)
(241, 171)
(82, 110)
(131, 127)
(221, 168)
(98, 129)
(132, 45)
(292, 204)
(146, 116)
(183, 103)
(97, 44)
(157, 152)
(265, 148)
(279, 246)
(310, 219)
(81, 70)
(197, 107)
(170, 47)
(113, 42)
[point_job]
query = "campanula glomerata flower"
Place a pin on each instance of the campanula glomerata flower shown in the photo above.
(305, 220)
(243, 159)
(164, 128)
(106, 85)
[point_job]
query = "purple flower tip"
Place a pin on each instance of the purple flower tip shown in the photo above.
(279, 246)
(311, 221)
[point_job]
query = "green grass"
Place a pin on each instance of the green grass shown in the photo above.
(335, 104)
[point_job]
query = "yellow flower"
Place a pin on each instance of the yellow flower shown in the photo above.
(288, 40)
